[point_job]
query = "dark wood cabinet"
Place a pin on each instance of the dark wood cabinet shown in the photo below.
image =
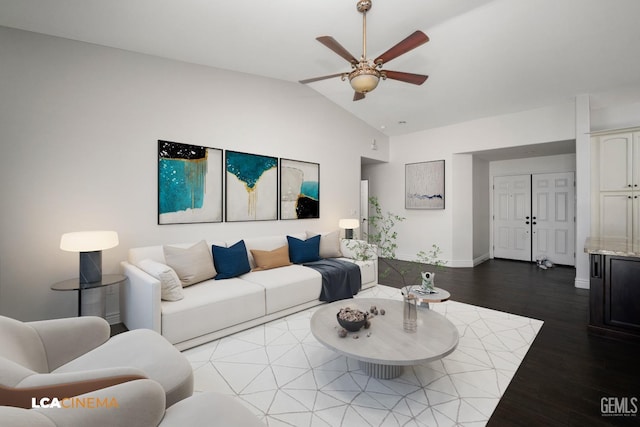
(615, 296)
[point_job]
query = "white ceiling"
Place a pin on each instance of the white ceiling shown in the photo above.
(485, 57)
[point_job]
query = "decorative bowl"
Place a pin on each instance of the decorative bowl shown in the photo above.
(352, 325)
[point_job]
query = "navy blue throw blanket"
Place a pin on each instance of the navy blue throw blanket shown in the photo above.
(340, 279)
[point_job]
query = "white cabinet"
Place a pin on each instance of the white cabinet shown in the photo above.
(620, 162)
(619, 184)
(617, 214)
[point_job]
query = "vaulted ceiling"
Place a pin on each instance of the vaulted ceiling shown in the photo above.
(485, 57)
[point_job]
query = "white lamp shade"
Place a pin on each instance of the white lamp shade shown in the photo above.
(88, 241)
(349, 223)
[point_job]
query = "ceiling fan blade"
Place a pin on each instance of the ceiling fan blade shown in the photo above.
(413, 41)
(357, 96)
(332, 44)
(416, 79)
(315, 79)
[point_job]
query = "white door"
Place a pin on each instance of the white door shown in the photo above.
(511, 217)
(553, 217)
(364, 208)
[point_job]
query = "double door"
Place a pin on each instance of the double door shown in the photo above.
(534, 216)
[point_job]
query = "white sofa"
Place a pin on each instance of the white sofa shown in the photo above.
(215, 308)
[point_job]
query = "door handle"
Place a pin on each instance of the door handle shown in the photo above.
(534, 223)
(526, 217)
(527, 222)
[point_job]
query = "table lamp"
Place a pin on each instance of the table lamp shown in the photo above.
(90, 244)
(348, 224)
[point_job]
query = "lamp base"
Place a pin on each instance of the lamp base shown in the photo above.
(348, 233)
(90, 267)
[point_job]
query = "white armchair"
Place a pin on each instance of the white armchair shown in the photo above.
(68, 357)
(140, 403)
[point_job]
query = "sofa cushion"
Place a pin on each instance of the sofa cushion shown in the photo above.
(170, 285)
(301, 251)
(268, 243)
(266, 260)
(156, 253)
(232, 261)
(193, 264)
(329, 243)
(211, 306)
(286, 287)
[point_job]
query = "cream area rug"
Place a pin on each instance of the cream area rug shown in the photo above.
(287, 378)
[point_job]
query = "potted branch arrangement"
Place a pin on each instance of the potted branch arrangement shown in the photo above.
(383, 235)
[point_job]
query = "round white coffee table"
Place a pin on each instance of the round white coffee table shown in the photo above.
(385, 348)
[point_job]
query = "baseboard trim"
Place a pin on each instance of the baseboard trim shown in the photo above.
(460, 263)
(482, 258)
(113, 318)
(581, 283)
(457, 263)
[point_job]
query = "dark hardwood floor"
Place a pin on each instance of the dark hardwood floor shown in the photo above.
(566, 372)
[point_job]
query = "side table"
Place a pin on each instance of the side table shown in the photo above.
(75, 285)
(424, 298)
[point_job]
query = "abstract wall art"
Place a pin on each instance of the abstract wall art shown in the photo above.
(299, 189)
(424, 185)
(252, 187)
(189, 183)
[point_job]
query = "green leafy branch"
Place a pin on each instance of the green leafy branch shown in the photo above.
(384, 236)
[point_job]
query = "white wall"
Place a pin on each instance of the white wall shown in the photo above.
(79, 125)
(481, 210)
(615, 117)
(532, 165)
(423, 228)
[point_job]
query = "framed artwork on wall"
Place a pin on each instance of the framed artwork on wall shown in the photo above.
(189, 183)
(424, 185)
(299, 189)
(252, 187)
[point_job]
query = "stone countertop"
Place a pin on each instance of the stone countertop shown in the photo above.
(612, 246)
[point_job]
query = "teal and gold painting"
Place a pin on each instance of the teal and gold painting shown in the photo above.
(299, 189)
(189, 183)
(252, 187)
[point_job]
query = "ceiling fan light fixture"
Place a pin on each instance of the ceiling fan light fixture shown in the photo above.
(365, 73)
(364, 79)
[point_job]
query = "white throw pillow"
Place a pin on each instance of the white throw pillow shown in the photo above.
(170, 286)
(193, 265)
(329, 243)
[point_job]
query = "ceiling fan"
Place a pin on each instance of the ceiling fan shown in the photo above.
(366, 74)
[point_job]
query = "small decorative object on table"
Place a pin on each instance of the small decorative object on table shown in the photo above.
(351, 319)
(409, 315)
(428, 282)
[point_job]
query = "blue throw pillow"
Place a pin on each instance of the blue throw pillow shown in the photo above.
(230, 262)
(301, 251)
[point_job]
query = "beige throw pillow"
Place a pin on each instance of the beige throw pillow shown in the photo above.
(193, 265)
(170, 286)
(266, 260)
(329, 244)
